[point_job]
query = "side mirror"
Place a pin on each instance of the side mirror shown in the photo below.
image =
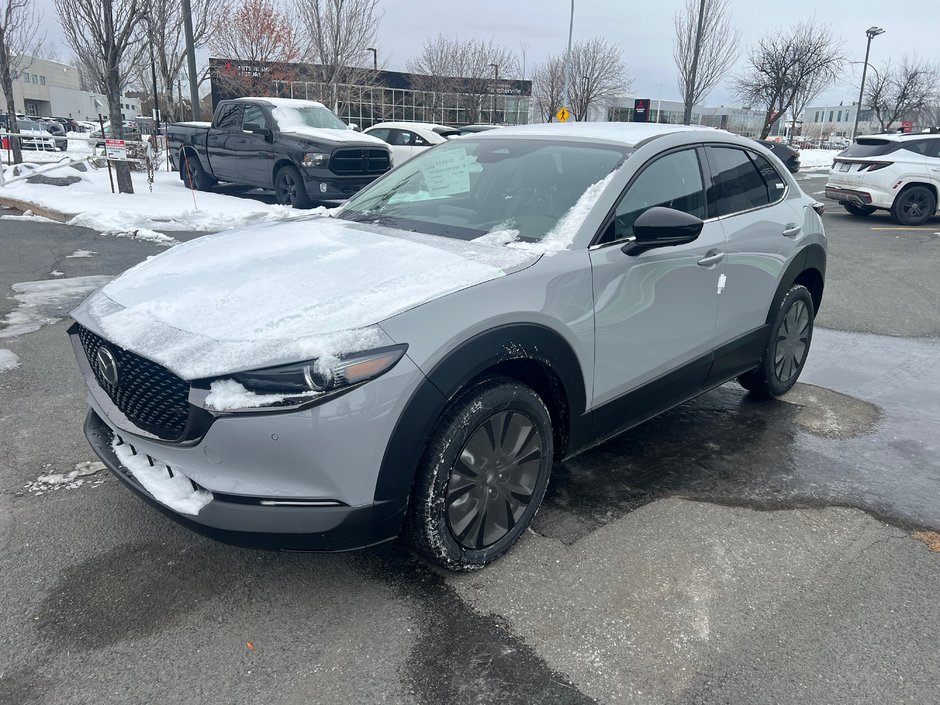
(352, 126)
(662, 227)
(256, 129)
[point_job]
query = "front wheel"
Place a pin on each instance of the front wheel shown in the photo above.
(787, 348)
(483, 475)
(289, 189)
(914, 206)
(859, 210)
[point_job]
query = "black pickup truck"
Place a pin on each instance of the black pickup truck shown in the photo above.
(296, 147)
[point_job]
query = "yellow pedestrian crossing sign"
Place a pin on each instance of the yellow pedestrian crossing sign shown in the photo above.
(563, 114)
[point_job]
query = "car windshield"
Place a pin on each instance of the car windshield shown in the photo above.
(473, 186)
(289, 118)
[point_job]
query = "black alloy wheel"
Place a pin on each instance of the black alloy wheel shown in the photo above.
(483, 475)
(787, 348)
(856, 209)
(289, 189)
(914, 206)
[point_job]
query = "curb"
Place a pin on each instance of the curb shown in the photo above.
(43, 211)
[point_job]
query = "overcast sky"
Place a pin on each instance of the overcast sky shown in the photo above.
(642, 28)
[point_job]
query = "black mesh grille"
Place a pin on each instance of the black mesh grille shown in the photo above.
(359, 161)
(150, 396)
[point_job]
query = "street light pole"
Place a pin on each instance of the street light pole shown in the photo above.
(495, 83)
(871, 33)
(375, 58)
(564, 96)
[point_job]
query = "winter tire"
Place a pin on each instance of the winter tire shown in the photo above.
(289, 189)
(855, 209)
(914, 206)
(194, 176)
(787, 348)
(483, 475)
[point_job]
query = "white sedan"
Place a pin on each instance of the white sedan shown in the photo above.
(410, 138)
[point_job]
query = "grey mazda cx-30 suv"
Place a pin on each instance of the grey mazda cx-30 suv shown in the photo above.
(418, 361)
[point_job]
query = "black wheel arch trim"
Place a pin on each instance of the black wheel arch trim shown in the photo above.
(810, 257)
(453, 373)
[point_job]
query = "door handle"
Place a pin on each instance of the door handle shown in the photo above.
(711, 257)
(791, 230)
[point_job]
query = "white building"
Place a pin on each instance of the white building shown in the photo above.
(53, 89)
(828, 121)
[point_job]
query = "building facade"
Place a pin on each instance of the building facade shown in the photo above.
(741, 121)
(44, 88)
(369, 97)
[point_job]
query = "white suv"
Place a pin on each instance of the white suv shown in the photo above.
(895, 172)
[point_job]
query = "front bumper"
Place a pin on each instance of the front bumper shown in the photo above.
(244, 521)
(330, 187)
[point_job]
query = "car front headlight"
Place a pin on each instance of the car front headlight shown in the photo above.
(324, 375)
(315, 159)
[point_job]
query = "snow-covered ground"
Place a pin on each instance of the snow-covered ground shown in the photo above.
(78, 147)
(817, 158)
(146, 213)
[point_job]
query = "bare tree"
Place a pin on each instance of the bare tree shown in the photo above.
(929, 115)
(805, 95)
(466, 68)
(784, 63)
(334, 35)
(105, 37)
(597, 75)
(901, 91)
(164, 28)
(259, 41)
(18, 39)
(548, 84)
(717, 53)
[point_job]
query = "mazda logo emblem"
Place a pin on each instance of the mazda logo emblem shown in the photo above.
(107, 365)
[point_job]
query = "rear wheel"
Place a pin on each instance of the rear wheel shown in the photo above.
(483, 475)
(859, 210)
(194, 176)
(914, 206)
(787, 348)
(289, 189)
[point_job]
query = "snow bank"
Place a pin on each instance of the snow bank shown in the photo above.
(175, 491)
(169, 207)
(817, 158)
(8, 360)
(46, 302)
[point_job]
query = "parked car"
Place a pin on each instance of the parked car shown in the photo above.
(899, 173)
(788, 155)
(127, 133)
(417, 361)
(410, 138)
(473, 129)
(58, 131)
(35, 136)
(70, 124)
(297, 147)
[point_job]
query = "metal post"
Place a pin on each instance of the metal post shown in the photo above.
(375, 58)
(690, 89)
(564, 96)
(495, 82)
(191, 58)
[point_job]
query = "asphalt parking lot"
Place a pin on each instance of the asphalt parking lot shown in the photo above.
(729, 551)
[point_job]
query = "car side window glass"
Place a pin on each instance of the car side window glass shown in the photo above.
(229, 117)
(776, 185)
(932, 148)
(381, 133)
(672, 181)
(402, 138)
(254, 119)
(736, 184)
(420, 141)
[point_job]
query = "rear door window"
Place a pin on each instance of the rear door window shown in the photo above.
(381, 133)
(229, 117)
(736, 183)
(776, 185)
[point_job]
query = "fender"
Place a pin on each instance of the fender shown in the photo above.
(451, 374)
(810, 257)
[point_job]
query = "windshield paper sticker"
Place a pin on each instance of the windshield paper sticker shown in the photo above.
(449, 173)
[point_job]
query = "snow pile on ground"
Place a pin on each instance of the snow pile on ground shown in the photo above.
(170, 206)
(227, 394)
(8, 360)
(817, 158)
(69, 481)
(46, 302)
(169, 487)
(81, 253)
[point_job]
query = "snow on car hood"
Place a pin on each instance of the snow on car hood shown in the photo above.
(282, 293)
(325, 134)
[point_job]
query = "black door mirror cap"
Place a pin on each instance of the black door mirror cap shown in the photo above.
(662, 227)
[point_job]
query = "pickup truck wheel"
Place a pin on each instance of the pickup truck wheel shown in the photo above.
(289, 189)
(194, 176)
